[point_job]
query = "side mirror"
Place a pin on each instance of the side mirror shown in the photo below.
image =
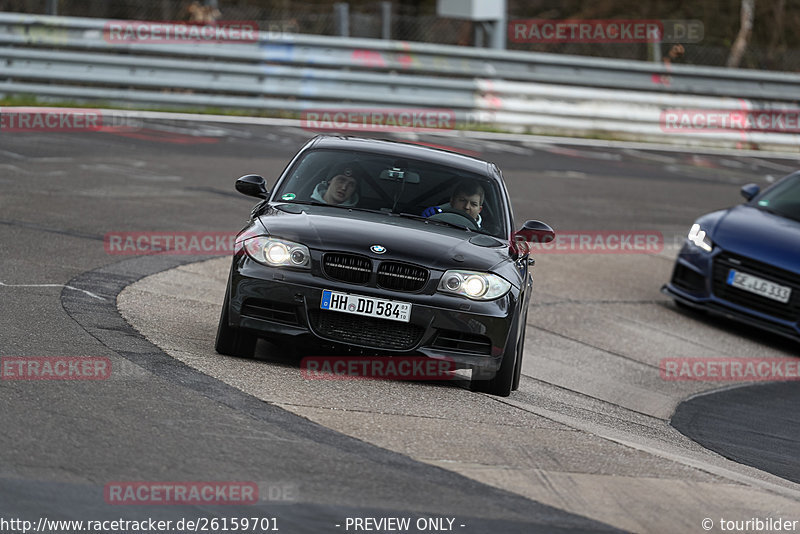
(531, 232)
(252, 185)
(749, 191)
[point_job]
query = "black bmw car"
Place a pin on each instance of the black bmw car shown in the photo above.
(384, 248)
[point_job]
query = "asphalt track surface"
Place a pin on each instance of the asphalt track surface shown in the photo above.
(753, 425)
(157, 418)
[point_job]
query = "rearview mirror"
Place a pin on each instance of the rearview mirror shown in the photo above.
(252, 185)
(531, 232)
(749, 191)
(399, 175)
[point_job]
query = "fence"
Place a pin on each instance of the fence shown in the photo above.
(75, 59)
(774, 44)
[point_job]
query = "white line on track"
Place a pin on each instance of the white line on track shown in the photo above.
(94, 296)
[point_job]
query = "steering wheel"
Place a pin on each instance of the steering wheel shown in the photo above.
(455, 216)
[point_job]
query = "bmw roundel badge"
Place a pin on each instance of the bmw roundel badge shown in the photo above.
(378, 249)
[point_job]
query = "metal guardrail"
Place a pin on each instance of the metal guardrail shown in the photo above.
(70, 57)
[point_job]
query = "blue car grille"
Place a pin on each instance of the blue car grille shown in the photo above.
(724, 262)
(687, 279)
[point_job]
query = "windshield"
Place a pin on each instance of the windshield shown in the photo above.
(783, 199)
(388, 184)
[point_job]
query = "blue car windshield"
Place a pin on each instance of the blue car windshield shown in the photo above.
(385, 183)
(783, 199)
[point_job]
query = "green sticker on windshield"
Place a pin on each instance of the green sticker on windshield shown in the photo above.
(288, 196)
(763, 202)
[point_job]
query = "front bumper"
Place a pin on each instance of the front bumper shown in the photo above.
(693, 284)
(283, 306)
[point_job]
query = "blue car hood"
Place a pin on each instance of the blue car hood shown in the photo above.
(760, 235)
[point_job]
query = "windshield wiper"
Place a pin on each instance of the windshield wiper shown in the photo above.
(435, 221)
(420, 217)
(406, 215)
(317, 203)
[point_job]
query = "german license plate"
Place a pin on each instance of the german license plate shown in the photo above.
(366, 306)
(759, 286)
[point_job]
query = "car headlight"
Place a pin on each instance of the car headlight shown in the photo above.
(474, 285)
(699, 238)
(277, 252)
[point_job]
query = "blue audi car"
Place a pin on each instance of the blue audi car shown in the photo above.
(744, 262)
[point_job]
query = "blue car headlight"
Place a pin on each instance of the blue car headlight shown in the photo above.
(699, 238)
(474, 285)
(278, 252)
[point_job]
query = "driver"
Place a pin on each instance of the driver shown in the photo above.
(467, 196)
(341, 190)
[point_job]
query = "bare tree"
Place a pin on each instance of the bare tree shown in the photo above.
(746, 28)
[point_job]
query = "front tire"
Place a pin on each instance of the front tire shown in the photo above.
(520, 353)
(503, 381)
(233, 341)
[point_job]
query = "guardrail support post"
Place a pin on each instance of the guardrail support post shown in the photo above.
(655, 51)
(499, 29)
(52, 7)
(386, 20)
(480, 31)
(341, 12)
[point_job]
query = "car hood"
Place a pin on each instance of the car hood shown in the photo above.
(760, 235)
(410, 240)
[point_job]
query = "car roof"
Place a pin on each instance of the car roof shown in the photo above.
(407, 150)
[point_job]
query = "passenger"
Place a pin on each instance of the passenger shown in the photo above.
(341, 190)
(467, 196)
